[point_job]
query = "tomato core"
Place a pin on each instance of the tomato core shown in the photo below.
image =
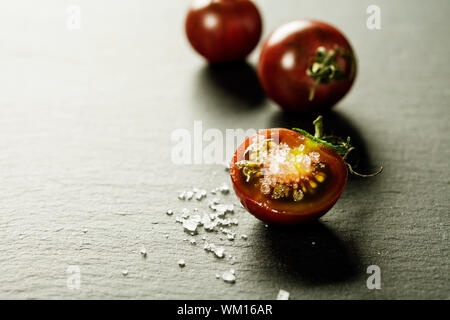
(283, 173)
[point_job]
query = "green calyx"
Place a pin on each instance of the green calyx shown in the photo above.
(341, 146)
(324, 68)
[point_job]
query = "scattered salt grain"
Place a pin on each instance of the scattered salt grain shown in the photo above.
(143, 252)
(169, 212)
(208, 225)
(124, 273)
(199, 197)
(229, 277)
(224, 189)
(223, 209)
(219, 252)
(181, 263)
(224, 222)
(196, 218)
(189, 195)
(185, 213)
(283, 295)
(190, 226)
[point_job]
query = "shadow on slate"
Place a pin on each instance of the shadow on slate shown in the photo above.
(334, 124)
(310, 253)
(237, 80)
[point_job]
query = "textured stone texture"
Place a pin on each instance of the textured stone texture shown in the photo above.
(85, 124)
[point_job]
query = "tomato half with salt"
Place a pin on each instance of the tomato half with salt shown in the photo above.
(283, 177)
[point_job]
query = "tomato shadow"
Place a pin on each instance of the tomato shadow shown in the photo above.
(235, 81)
(311, 254)
(334, 124)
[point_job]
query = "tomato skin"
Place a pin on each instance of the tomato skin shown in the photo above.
(223, 30)
(288, 53)
(266, 209)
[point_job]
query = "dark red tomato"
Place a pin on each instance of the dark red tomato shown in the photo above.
(223, 30)
(306, 66)
(283, 177)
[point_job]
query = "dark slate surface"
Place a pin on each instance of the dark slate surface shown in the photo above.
(85, 124)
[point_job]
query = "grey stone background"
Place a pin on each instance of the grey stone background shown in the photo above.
(86, 176)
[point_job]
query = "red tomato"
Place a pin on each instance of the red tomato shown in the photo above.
(223, 30)
(283, 177)
(306, 66)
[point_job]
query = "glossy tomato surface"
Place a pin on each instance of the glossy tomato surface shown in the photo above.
(283, 177)
(223, 30)
(288, 54)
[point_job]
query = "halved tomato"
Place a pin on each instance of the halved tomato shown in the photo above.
(284, 177)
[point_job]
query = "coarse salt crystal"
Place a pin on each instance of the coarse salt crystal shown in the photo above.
(189, 195)
(283, 295)
(229, 277)
(219, 252)
(190, 226)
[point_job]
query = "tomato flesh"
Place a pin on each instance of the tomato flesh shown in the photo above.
(223, 30)
(282, 177)
(290, 51)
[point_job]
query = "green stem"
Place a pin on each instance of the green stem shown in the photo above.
(324, 68)
(364, 175)
(318, 126)
(338, 148)
(312, 92)
(343, 148)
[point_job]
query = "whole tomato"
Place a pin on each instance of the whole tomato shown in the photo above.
(306, 66)
(223, 30)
